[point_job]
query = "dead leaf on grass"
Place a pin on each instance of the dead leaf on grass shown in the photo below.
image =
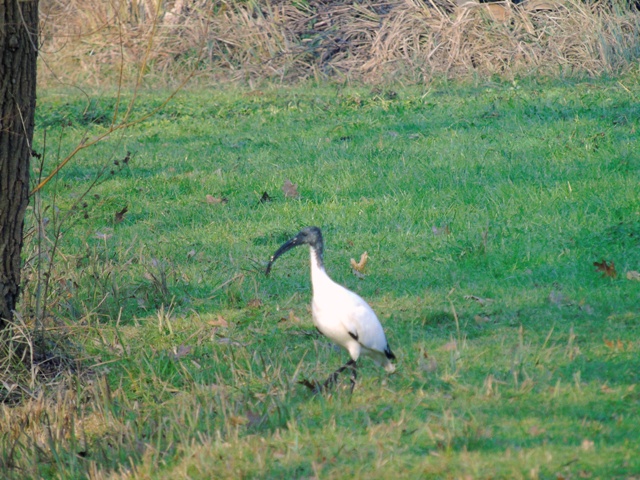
(254, 303)
(181, 351)
(238, 420)
(481, 319)
(608, 269)
(120, 215)
(633, 275)
(290, 190)
(292, 318)
(606, 388)
(587, 445)
(359, 266)
(219, 322)
(481, 301)
(211, 200)
(617, 345)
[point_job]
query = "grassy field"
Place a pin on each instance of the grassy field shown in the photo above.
(483, 209)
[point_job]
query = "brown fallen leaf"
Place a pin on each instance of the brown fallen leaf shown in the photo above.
(219, 322)
(633, 275)
(237, 420)
(359, 266)
(587, 445)
(481, 301)
(293, 318)
(481, 319)
(254, 303)
(211, 200)
(120, 215)
(617, 345)
(604, 388)
(608, 269)
(290, 190)
(181, 351)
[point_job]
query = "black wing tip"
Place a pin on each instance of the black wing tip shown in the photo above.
(389, 353)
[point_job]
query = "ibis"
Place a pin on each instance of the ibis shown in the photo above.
(338, 313)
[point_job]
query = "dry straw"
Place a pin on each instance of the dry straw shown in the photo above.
(370, 41)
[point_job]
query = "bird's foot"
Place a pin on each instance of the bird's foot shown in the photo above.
(312, 385)
(318, 387)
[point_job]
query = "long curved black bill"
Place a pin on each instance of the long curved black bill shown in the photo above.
(284, 248)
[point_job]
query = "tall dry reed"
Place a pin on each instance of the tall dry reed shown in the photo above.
(369, 40)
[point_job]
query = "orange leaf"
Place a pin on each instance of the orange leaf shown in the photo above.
(293, 318)
(587, 445)
(219, 322)
(608, 269)
(213, 200)
(359, 266)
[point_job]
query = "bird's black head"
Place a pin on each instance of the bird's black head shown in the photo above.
(311, 236)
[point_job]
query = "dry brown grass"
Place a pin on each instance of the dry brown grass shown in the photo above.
(93, 40)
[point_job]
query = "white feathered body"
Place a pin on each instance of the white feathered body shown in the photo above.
(345, 318)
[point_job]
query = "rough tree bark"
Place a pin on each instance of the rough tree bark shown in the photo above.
(18, 52)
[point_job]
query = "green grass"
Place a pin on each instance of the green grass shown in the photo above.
(198, 379)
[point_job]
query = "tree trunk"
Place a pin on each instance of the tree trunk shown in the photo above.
(18, 52)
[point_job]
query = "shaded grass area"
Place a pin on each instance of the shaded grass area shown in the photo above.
(482, 209)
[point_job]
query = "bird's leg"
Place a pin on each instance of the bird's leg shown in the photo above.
(354, 373)
(330, 382)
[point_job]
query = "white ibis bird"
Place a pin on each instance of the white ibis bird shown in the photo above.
(338, 313)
